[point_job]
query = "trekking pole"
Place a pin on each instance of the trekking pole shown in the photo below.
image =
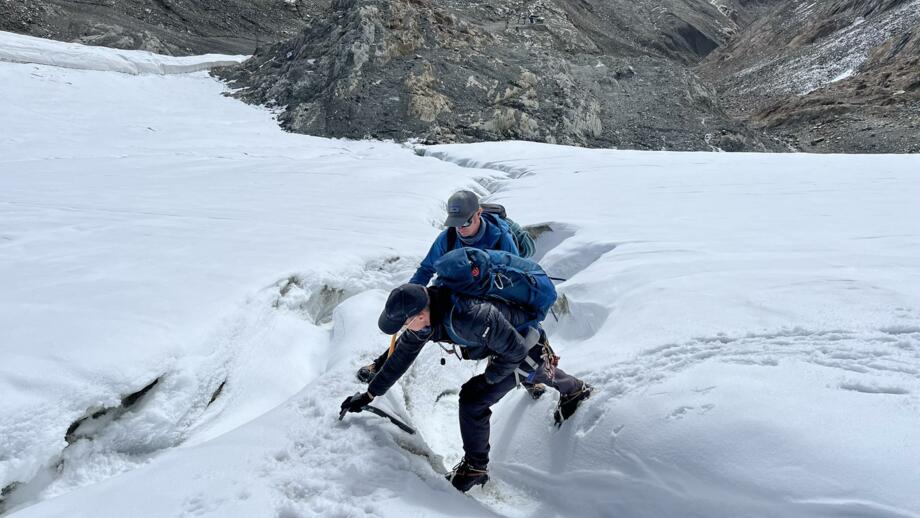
(374, 410)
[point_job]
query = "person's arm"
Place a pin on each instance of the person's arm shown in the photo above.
(408, 345)
(507, 243)
(426, 268)
(379, 361)
(505, 239)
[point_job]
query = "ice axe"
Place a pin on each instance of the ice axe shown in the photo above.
(374, 410)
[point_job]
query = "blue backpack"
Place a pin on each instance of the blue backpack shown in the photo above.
(496, 274)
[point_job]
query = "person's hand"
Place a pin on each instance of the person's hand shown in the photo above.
(475, 387)
(355, 403)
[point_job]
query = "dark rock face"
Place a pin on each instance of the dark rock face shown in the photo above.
(176, 27)
(738, 75)
(831, 76)
(592, 73)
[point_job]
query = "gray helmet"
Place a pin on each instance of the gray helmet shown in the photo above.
(460, 207)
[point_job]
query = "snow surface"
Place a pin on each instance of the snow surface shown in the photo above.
(752, 321)
(19, 48)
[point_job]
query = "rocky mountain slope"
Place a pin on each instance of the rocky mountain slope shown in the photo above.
(593, 73)
(836, 75)
(736, 75)
(174, 27)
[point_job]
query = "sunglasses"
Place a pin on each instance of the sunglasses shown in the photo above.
(468, 222)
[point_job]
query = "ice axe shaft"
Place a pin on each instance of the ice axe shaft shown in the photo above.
(374, 410)
(402, 426)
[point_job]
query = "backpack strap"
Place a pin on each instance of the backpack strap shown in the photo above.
(451, 238)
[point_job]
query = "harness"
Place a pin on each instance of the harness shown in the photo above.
(521, 376)
(549, 364)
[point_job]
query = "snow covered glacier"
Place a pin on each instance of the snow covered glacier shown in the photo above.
(752, 321)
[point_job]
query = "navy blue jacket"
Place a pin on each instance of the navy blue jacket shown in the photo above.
(484, 329)
(497, 236)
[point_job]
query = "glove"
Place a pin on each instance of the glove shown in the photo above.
(475, 387)
(355, 403)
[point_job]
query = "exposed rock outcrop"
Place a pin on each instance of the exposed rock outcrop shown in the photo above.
(605, 74)
(739, 75)
(833, 76)
(174, 27)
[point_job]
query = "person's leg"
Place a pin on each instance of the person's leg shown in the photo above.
(572, 391)
(534, 388)
(570, 400)
(561, 381)
(550, 375)
(474, 414)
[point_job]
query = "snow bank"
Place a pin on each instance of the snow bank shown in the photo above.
(18, 48)
(152, 228)
(751, 322)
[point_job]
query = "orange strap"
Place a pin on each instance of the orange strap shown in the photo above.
(392, 346)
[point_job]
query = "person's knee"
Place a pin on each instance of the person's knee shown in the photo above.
(472, 401)
(473, 413)
(469, 397)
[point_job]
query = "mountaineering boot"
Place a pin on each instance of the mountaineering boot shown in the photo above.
(568, 403)
(536, 390)
(366, 373)
(465, 475)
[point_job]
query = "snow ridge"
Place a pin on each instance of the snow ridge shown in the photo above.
(19, 48)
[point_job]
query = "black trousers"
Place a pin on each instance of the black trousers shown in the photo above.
(475, 407)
